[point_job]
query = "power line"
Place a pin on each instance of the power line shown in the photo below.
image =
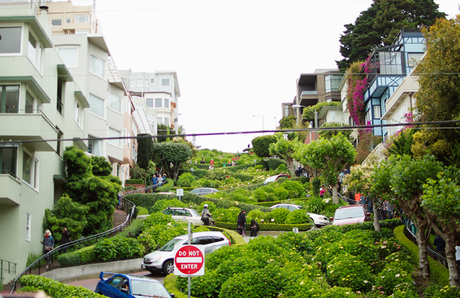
(362, 127)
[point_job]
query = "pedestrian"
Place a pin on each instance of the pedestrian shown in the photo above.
(241, 223)
(119, 201)
(321, 192)
(211, 162)
(65, 238)
(154, 180)
(389, 208)
(160, 180)
(457, 254)
(254, 228)
(440, 247)
(202, 161)
(205, 215)
(48, 245)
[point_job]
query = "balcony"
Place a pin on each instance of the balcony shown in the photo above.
(25, 127)
(306, 93)
(11, 188)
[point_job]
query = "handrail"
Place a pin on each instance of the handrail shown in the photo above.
(128, 220)
(9, 268)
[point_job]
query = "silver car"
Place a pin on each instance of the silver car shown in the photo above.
(162, 260)
(187, 214)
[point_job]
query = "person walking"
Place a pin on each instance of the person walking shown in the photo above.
(65, 238)
(205, 215)
(254, 228)
(48, 245)
(440, 247)
(241, 223)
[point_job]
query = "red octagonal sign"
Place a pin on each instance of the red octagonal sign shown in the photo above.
(189, 260)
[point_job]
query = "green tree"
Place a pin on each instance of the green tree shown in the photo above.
(439, 95)
(441, 201)
(99, 193)
(379, 25)
(171, 156)
(327, 134)
(144, 151)
(285, 150)
(287, 122)
(261, 145)
(400, 179)
(331, 156)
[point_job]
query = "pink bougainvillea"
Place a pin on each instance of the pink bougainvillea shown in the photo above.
(357, 84)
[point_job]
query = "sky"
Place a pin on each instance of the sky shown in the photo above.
(236, 61)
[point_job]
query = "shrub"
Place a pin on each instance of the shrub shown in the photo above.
(142, 210)
(346, 270)
(438, 291)
(393, 275)
(186, 180)
(134, 181)
(279, 215)
(118, 248)
(161, 205)
(166, 187)
(297, 216)
(274, 163)
(295, 188)
(133, 230)
(55, 289)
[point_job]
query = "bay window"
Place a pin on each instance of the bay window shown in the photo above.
(96, 105)
(97, 66)
(30, 169)
(114, 134)
(10, 43)
(115, 102)
(9, 99)
(8, 160)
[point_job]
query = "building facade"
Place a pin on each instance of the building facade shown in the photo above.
(42, 111)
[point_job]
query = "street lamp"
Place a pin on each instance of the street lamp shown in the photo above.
(316, 116)
(262, 121)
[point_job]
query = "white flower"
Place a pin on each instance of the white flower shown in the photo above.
(398, 275)
(365, 281)
(273, 219)
(169, 224)
(382, 276)
(261, 220)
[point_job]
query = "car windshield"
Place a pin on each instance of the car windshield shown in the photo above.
(196, 190)
(271, 179)
(148, 288)
(170, 245)
(194, 213)
(348, 213)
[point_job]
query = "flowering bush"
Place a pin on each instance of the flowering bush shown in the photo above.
(226, 214)
(279, 215)
(347, 270)
(185, 180)
(259, 216)
(393, 275)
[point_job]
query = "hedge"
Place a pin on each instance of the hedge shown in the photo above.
(274, 163)
(438, 273)
(134, 181)
(166, 187)
(268, 227)
(170, 283)
(55, 289)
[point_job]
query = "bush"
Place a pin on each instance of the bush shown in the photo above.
(185, 180)
(133, 230)
(161, 205)
(166, 187)
(346, 270)
(392, 275)
(274, 163)
(297, 216)
(55, 289)
(279, 215)
(142, 211)
(118, 248)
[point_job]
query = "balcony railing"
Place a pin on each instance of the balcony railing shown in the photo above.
(8, 267)
(311, 92)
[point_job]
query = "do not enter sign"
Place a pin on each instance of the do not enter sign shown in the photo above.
(189, 261)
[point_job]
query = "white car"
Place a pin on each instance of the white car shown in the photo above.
(163, 259)
(187, 214)
(319, 220)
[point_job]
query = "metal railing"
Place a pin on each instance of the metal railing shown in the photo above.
(6, 266)
(128, 206)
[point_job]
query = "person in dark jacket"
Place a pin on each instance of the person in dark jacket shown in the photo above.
(440, 247)
(254, 228)
(241, 223)
(65, 239)
(48, 245)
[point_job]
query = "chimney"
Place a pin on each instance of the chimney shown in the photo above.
(44, 11)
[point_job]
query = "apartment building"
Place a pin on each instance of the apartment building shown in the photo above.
(78, 38)
(158, 94)
(42, 111)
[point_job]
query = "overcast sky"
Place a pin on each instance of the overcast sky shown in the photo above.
(234, 59)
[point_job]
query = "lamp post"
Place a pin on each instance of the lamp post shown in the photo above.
(316, 116)
(263, 121)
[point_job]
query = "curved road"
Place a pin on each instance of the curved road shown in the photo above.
(91, 283)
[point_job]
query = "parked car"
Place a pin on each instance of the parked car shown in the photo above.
(290, 207)
(127, 285)
(162, 260)
(187, 214)
(274, 178)
(203, 191)
(319, 220)
(346, 215)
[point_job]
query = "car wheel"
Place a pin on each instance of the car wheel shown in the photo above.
(168, 267)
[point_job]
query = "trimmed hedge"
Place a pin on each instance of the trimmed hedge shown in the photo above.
(268, 227)
(274, 163)
(134, 181)
(438, 273)
(82, 256)
(142, 211)
(55, 289)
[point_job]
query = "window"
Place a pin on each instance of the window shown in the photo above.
(94, 146)
(158, 102)
(139, 83)
(30, 169)
(286, 111)
(133, 83)
(96, 105)
(9, 99)
(34, 51)
(146, 83)
(149, 102)
(390, 63)
(114, 134)
(152, 81)
(166, 103)
(56, 22)
(115, 102)
(332, 82)
(78, 113)
(59, 99)
(68, 21)
(164, 82)
(30, 101)
(82, 18)
(69, 56)
(8, 159)
(377, 113)
(97, 66)
(10, 40)
(133, 153)
(28, 226)
(413, 59)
